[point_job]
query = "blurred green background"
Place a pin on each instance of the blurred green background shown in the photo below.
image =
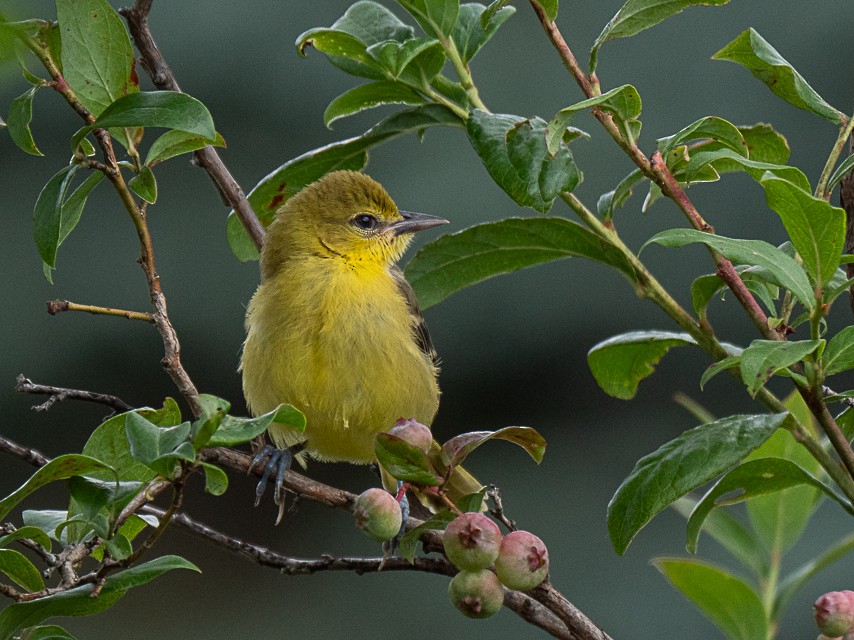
(513, 348)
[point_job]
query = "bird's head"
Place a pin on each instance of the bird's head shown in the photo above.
(345, 215)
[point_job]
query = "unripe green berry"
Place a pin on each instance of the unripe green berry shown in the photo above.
(523, 561)
(414, 433)
(472, 541)
(477, 594)
(378, 514)
(834, 613)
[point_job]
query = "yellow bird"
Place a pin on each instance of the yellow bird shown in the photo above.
(334, 329)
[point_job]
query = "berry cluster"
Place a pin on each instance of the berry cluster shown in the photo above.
(473, 543)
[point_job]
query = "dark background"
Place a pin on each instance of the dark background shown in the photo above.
(513, 348)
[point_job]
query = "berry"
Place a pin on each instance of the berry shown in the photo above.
(477, 594)
(378, 514)
(523, 561)
(472, 541)
(834, 613)
(413, 433)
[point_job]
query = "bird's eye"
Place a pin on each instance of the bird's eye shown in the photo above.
(365, 222)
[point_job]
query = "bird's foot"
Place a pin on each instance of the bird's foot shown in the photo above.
(279, 460)
(391, 545)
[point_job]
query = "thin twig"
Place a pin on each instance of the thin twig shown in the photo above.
(58, 394)
(208, 158)
(58, 306)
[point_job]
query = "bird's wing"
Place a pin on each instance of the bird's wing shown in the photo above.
(422, 336)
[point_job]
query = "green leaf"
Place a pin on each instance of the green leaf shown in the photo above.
(763, 358)
(174, 143)
(216, 481)
(213, 410)
(424, 54)
(119, 547)
(47, 214)
(612, 200)
(741, 541)
(780, 519)
(404, 461)
(436, 17)
(469, 32)
(144, 185)
(792, 583)
(726, 160)
(163, 109)
(79, 601)
(409, 542)
(20, 570)
(60, 468)
(681, 465)
(368, 96)
(49, 632)
(364, 24)
(47, 520)
(234, 431)
(97, 57)
(91, 495)
(754, 53)
(764, 144)
(637, 15)
(624, 103)
(458, 448)
(26, 533)
(269, 194)
(621, 362)
(816, 228)
(712, 128)
(158, 447)
(459, 260)
(844, 168)
(72, 208)
(20, 116)
(782, 268)
(515, 154)
(725, 599)
(753, 478)
(109, 443)
(839, 354)
(730, 362)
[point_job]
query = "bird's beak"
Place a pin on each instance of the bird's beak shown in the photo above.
(413, 222)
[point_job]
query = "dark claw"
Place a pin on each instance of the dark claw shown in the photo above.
(280, 460)
(404, 508)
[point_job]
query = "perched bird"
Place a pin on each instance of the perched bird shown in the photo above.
(334, 329)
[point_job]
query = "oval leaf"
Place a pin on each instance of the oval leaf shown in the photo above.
(162, 109)
(469, 32)
(47, 214)
(726, 600)
(763, 358)
(462, 259)
(404, 462)
(368, 96)
(20, 570)
(624, 103)
(817, 229)
(786, 272)
(753, 478)
(20, 116)
(60, 468)
(839, 354)
(97, 57)
(457, 449)
(233, 431)
(753, 52)
(144, 185)
(683, 464)
(621, 362)
(515, 154)
(174, 143)
(436, 17)
(637, 15)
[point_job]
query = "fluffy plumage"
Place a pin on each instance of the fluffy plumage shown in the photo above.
(333, 328)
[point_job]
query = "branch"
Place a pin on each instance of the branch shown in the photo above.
(208, 158)
(59, 306)
(657, 171)
(58, 394)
